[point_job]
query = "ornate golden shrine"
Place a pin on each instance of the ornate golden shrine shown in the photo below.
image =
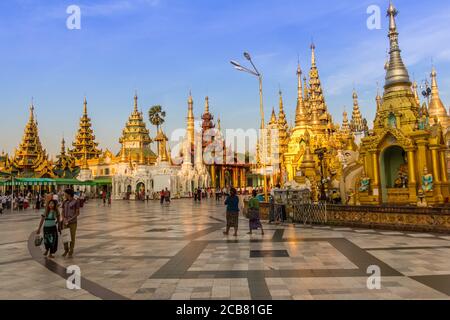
(403, 144)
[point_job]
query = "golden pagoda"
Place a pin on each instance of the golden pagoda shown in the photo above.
(162, 139)
(314, 126)
(84, 144)
(30, 159)
(65, 166)
(405, 153)
(135, 140)
(436, 108)
(357, 122)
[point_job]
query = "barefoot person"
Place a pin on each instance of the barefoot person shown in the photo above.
(232, 203)
(70, 213)
(50, 220)
(254, 221)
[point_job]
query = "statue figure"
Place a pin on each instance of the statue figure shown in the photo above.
(365, 183)
(422, 203)
(427, 181)
(402, 177)
(424, 118)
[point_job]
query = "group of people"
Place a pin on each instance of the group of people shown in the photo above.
(233, 203)
(57, 217)
(21, 201)
(165, 196)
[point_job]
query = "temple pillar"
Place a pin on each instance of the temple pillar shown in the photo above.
(436, 175)
(376, 175)
(421, 156)
(412, 185)
(222, 177)
(213, 176)
(243, 178)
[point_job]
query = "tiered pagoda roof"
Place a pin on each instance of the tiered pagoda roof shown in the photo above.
(136, 139)
(84, 144)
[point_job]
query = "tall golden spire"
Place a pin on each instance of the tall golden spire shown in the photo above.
(206, 105)
(436, 107)
(191, 120)
(315, 87)
(63, 147)
(136, 103)
(345, 129)
(85, 106)
(313, 54)
(397, 77)
(85, 138)
(416, 92)
(301, 114)
(281, 115)
(273, 118)
(357, 124)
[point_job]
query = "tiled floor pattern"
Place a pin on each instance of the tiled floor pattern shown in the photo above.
(135, 250)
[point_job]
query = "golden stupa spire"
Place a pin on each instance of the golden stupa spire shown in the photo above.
(315, 87)
(415, 88)
(85, 138)
(85, 106)
(313, 54)
(136, 103)
(63, 147)
(206, 105)
(396, 74)
(191, 120)
(273, 118)
(357, 124)
(301, 114)
(345, 123)
(436, 107)
(281, 115)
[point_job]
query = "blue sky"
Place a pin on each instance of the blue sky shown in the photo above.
(164, 48)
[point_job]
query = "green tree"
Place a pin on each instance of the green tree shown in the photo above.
(156, 116)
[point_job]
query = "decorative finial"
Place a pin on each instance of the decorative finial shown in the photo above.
(207, 105)
(85, 106)
(313, 54)
(136, 102)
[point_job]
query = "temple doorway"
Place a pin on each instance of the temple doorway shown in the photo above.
(393, 170)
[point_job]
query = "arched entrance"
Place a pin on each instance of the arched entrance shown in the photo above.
(393, 165)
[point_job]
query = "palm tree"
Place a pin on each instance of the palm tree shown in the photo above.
(156, 116)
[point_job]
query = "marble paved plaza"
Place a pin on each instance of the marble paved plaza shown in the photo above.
(136, 250)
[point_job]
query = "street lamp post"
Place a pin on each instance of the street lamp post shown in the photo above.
(321, 155)
(257, 74)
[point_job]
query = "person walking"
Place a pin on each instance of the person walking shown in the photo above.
(70, 213)
(104, 197)
(162, 196)
(232, 203)
(50, 219)
(254, 217)
(167, 196)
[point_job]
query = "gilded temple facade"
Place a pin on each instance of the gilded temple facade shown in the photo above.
(404, 157)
